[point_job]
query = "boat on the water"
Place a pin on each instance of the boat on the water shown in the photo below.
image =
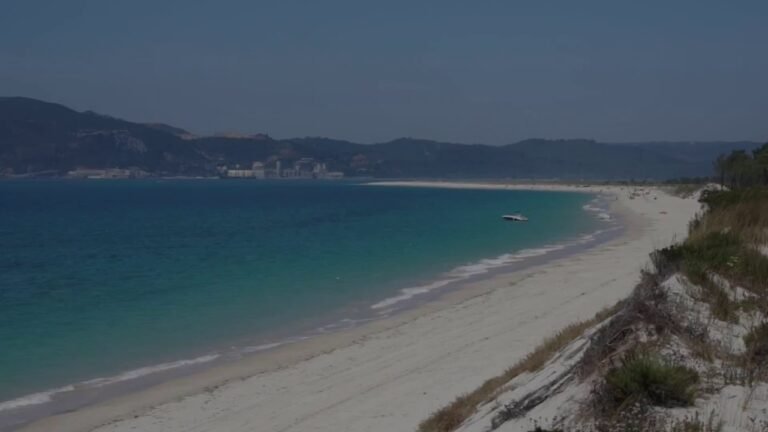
(517, 217)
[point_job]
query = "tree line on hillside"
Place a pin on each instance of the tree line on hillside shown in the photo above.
(741, 169)
(39, 139)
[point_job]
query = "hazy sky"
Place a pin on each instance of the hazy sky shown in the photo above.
(369, 71)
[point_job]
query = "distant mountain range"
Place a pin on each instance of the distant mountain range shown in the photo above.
(41, 138)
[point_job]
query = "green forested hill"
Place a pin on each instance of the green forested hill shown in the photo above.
(37, 137)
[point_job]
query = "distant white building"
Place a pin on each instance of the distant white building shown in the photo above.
(258, 170)
(333, 175)
(303, 168)
(240, 173)
(107, 173)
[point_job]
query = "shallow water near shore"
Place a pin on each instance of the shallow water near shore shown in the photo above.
(105, 277)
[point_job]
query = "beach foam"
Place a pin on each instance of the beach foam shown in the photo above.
(272, 345)
(34, 399)
(475, 269)
(148, 370)
(486, 265)
(47, 396)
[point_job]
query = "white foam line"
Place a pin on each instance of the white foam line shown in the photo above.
(409, 293)
(47, 396)
(34, 399)
(264, 347)
(601, 212)
(469, 270)
(485, 265)
(138, 373)
(342, 324)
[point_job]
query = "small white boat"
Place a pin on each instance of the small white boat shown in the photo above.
(517, 217)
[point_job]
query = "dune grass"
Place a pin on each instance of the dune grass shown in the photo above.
(646, 378)
(742, 212)
(684, 190)
(454, 414)
(756, 342)
(726, 241)
(696, 424)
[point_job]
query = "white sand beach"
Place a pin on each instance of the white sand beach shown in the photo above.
(391, 374)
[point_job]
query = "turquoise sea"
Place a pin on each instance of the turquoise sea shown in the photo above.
(102, 277)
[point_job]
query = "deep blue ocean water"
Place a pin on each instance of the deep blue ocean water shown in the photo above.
(99, 277)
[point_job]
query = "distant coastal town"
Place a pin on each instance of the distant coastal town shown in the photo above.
(276, 169)
(304, 168)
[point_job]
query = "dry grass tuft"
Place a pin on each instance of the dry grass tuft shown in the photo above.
(452, 416)
(644, 308)
(755, 360)
(696, 424)
(744, 213)
(684, 190)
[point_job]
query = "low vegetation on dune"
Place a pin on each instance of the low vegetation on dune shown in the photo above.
(687, 351)
(725, 249)
(453, 415)
(643, 377)
(714, 287)
(756, 343)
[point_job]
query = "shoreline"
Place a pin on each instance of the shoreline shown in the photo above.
(83, 394)
(225, 377)
(542, 186)
(77, 395)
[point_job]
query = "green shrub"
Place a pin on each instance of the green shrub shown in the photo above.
(757, 344)
(724, 253)
(643, 377)
(667, 260)
(716, 250)
(752, 270)
(717, 200)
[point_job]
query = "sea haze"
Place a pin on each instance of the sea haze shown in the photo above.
(102, 277)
